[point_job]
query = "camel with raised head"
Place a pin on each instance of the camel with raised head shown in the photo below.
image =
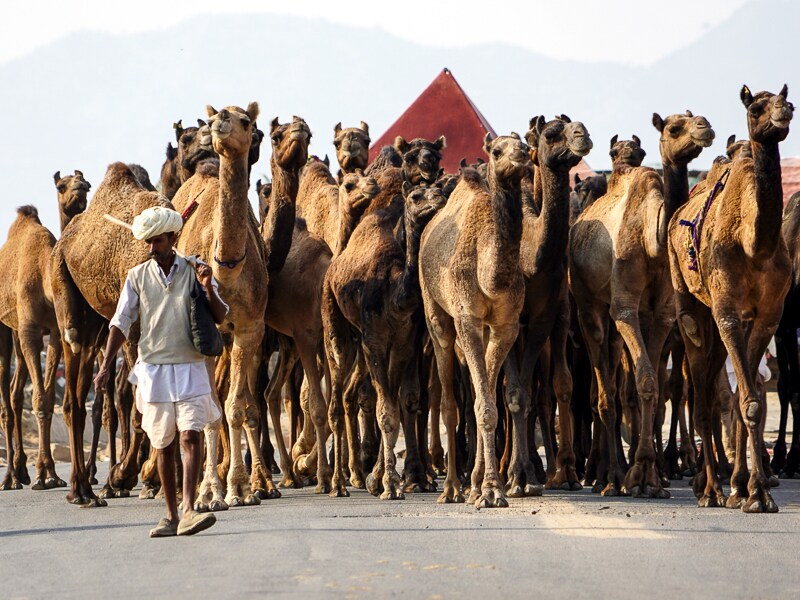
(224, 232)
(26, 308)
(472, 284)
(371, 292)
(731, 272)
(619, 276)
(558, 146)
(352, 147)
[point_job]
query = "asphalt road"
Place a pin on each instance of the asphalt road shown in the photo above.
(560, 545)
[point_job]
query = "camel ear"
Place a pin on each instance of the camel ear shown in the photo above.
(400, 144)
(637, 140)
(441, 172)
(211, 111)
(407, 187)
(337, 128)
(178, 127)
(78, 173)
(487, 142)
(731, 140)
(274, 125)
(252, 111)
(365, 127)
(747, 96)
(689, 113)
(658, 122)
(258, 186)
(480, 161)
(784, 91)
(359, 172)
(201, 123)
(440, 143)
(462, 164)
(577, 179)
(57, 176)
(172, 152)
(515, 135)
(613, 140)
(339, 177)
(326, 161)
(565, 118)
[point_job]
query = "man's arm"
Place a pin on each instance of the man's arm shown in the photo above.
(115, 340)
(127, 313)
(219, 310)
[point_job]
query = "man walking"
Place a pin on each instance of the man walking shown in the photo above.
(173, 390)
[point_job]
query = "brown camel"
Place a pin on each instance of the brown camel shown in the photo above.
(170, 174)
(472, 282)
(559, 145)
(352, 147)
(738, 148)
(618, 268)
(224, 232)
(193, 147)
(331, 210)
(730, 294)
(585, 192)
(86, 284)
(371, 292)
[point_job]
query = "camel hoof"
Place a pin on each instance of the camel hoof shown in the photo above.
(491, 498)
(735, 500)
(610, 490)
(288, 482)
(22, 476)
(597, 488)
(38, 485)
(712, 501)
(374, 484)
(774, 481)
(148, 492)
(200, 507)
(10, 484)
(340, 491)
(516, 492)
(235, 501)
(252, 500)
(533, 490)
(54, 482)
(393, 495)
(217, 506)
(656, 492)
(262, 494)
(635, 491)
(323, 488)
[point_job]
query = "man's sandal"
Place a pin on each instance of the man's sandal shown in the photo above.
(195, 523)
(165, 528)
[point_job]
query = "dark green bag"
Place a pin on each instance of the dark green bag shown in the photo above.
(205, 335)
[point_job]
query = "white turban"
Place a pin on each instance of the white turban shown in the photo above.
(155, 221)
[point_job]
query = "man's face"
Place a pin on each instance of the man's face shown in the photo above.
(160, 246)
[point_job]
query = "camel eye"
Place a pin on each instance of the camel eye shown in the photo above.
(349, 186)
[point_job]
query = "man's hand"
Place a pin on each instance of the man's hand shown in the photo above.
(101, 379)
(204, 275)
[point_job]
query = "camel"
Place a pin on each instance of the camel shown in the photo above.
(730, 294)
(619, 278)
(472, 282)
(788, 465)
(170, 175)
(738, 148)
(558, 146)
(332, 210)
(626, 152)
(193, 147)
(585, 192)
(352, 147)
(26, 307)
(371, 292)
(224, 232)
(89, 266)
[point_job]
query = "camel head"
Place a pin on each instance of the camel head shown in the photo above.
(194, 146)
(683, 137)
(768, 115)
(72, 191)
(263, 190)
(356, 191)
(590, 188)
(422, 202)
(738, 149)
(627, 152)
(232, 130)
(420, 158)
(255, 146)
(352, 146)
(509, 156)
(558, 144)
(447, 183)
(290, 143)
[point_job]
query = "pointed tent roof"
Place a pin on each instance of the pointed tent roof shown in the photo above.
(444, 108)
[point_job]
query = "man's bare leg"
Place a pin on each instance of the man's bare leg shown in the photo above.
(191, 444)
(166, 472)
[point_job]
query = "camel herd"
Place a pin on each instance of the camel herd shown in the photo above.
(393, 296)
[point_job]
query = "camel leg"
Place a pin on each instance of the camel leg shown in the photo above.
(18, 382)
(423, 415)
(351, 408)
(10, 481)
(30, 345)
(642, 478)
(435, 394)
(210, 496)
(110, 416)
(675, 391)
(484, 366)
(317, 407)
(745, 355)
(287, 357)
(98, 408)
(724, 426)
(788, 465)
(414, 476)
(565, 477)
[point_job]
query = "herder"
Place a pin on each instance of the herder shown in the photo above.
(173, 391)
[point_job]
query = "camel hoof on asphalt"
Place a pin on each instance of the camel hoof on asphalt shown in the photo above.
(252, 500)
(610, 490)
(340, 491)
(516, 492)
(38, 485)
(533, 489)
(393, 495)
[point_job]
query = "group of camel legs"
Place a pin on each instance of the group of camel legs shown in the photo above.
(396, 295)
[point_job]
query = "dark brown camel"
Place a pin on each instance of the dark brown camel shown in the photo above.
(730, 292)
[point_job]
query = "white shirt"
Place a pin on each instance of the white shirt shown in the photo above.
(161, 383)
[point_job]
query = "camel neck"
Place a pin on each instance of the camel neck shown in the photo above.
(65, 219)
(769, 200)
(410, 292)
(676, 194)
(347, 223)
(503, 248)
(231, 219)
(281, 215)
(554, 219)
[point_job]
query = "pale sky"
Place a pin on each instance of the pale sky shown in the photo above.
(592, 30)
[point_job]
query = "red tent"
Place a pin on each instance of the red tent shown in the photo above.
(445, 109)
(790, 177)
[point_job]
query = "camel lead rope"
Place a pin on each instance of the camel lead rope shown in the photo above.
(696, 225)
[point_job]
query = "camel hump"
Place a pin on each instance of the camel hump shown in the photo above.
(29, 212)
(121, 171)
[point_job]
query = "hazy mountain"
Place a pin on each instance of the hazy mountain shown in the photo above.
(90, 99)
